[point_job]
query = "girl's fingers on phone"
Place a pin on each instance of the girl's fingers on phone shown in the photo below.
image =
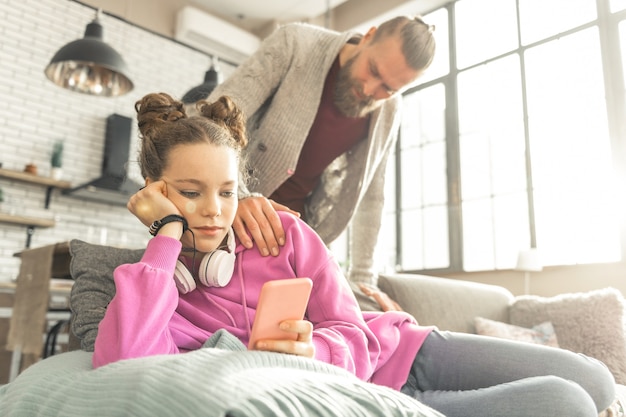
(304, 328)
(291, 347)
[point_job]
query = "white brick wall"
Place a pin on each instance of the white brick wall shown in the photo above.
(34, 113)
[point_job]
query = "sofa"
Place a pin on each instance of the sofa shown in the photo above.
(235, 382)
(591, 322)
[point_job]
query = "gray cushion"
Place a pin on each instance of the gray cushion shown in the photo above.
(591, 323)
(92, 266)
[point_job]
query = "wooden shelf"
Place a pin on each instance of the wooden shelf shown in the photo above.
(31, 222)
(33, 179)
(26, 221)
(50, 183)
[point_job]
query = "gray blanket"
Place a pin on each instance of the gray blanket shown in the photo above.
(221, 379)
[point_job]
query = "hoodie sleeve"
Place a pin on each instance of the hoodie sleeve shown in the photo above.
(341, 335)
(136, 320)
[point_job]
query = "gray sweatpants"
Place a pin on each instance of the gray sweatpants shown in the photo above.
(464, 375)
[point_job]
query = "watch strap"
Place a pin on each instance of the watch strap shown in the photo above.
(158, 224)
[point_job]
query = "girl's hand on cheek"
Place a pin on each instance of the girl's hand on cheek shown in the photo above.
(303, 346)
(151, 203)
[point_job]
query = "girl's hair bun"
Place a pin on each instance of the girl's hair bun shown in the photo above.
(155, 109)
(225, 113)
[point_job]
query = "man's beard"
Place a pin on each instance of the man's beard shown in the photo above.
(344, 95)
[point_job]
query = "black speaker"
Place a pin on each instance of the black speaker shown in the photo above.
(116, 145)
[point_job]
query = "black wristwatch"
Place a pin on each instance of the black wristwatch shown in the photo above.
(158, 224)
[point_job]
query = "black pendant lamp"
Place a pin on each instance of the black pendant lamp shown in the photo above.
(90, 66)
(211, 80)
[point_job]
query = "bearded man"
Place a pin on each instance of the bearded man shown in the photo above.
(323, 115)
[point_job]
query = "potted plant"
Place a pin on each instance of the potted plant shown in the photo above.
(56, 161)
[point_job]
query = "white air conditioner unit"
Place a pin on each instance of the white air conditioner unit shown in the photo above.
(214, 36)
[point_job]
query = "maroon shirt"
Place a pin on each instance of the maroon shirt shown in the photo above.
(331, 134)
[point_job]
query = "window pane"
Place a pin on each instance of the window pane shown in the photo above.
(492, 162)
(617, 5)
(493, 169)
(538, 18)
(441, 62)
(412, 240)
(508, 164)
(570, 152)
(431, 252)
(423, 181)
(478, 236)
(385, 255)
(475, 166)
(479, 34)
(411, 178)
(511, 228)
(494, 230)
(424, 117)
(491, 129)
(490, 99)
(422, 141)
(622, 42)
(434, 166)
(436, 250)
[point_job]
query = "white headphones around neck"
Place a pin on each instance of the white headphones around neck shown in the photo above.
(216, 268)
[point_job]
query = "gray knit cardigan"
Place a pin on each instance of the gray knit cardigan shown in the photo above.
(279, 88)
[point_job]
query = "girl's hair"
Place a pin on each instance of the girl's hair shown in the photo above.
(164, 124)
(418, 42)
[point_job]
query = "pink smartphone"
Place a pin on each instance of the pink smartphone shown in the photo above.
(283, 299)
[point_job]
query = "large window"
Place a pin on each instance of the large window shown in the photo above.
(512, 140)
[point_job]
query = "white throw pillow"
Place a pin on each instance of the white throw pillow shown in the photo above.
(542, 334)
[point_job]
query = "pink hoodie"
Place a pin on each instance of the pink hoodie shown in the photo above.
(148, 316)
